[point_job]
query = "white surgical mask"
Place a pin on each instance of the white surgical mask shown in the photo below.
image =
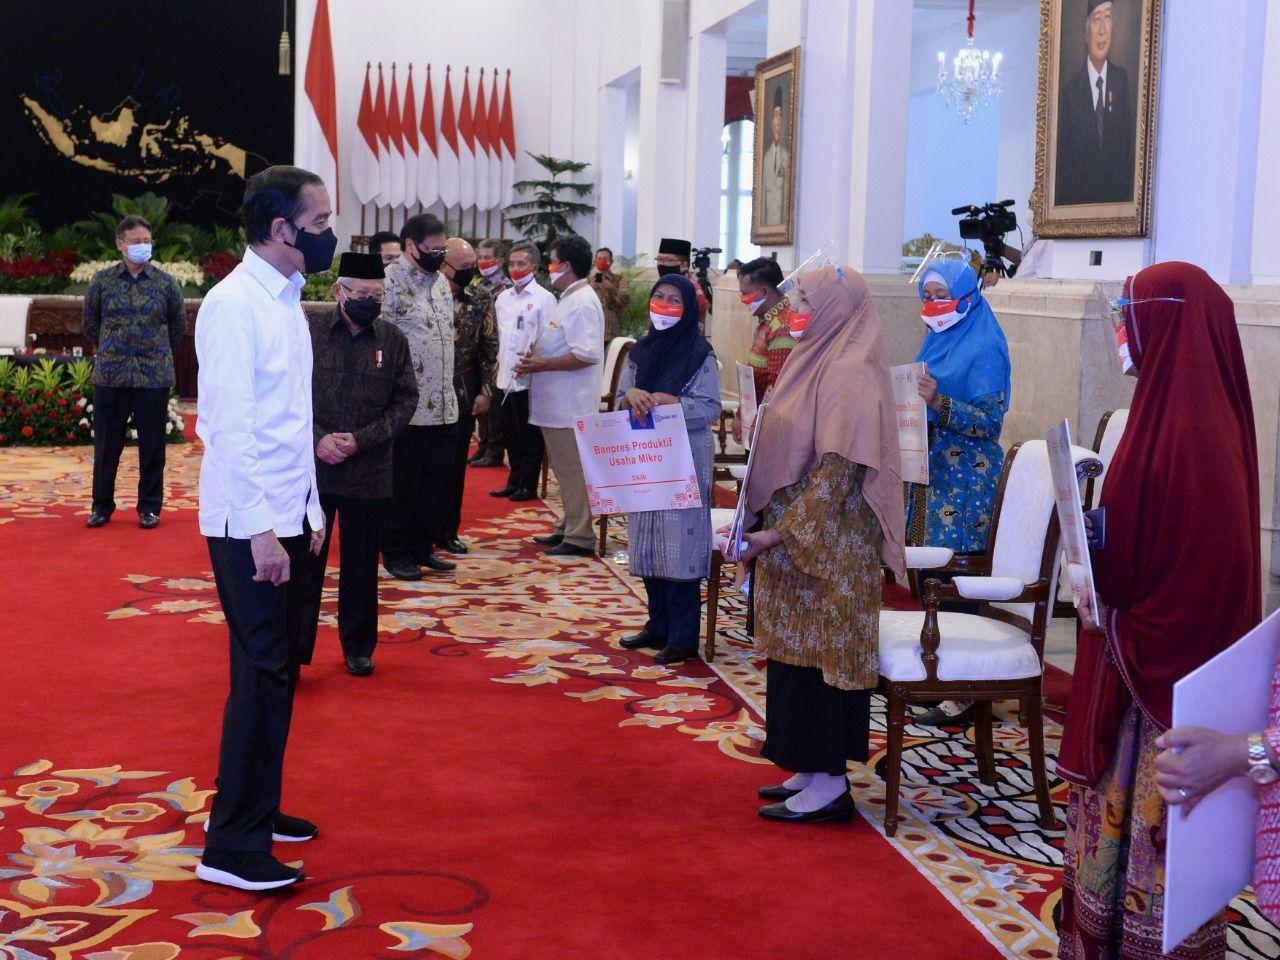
(139, 252)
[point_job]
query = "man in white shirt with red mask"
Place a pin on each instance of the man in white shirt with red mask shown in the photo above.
(260, 509)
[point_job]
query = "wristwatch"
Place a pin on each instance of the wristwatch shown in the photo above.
(1261, 771)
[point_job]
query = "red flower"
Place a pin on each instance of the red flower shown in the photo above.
(26, 411)
(48, 395)
(71, 436)
(28, 430)
(62, 401)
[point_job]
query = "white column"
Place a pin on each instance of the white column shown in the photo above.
(880, 64)
(610, 165)
(707, 66)
(660, 179)
(1266, 232)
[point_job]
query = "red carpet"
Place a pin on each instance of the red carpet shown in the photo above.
(459, 816)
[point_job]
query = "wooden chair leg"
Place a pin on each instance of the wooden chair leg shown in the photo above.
(1034, 707)
(546, 469)
(893, 762)
(713, 603)
(983, 747)
(604, 532)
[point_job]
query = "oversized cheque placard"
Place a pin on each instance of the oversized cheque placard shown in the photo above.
(1075, 544)
(635, 468)
(746, 400)
(913, 426)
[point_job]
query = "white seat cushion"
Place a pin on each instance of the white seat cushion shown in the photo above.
(738, 471)
(972, 648)
(988, 588)
(720, 518)
(928, 558)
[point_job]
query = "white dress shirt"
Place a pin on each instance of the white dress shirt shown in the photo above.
(520, 315)
(558, 397)
(1094, 93)
(254, 408)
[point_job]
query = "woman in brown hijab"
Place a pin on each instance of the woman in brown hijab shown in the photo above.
(827, 489)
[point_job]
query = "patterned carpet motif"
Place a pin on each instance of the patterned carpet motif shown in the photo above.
(96, 844)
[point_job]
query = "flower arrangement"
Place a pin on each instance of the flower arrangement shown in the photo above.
(46, 273)
(51, 404)
(216, 266)
(186, 273)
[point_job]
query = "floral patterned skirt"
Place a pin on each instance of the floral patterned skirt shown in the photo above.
(1113, 864)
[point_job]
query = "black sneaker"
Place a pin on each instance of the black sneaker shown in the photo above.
(252, 870)
(287, 829)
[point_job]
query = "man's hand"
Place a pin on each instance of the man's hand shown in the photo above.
(481, 405)
(270, 561)
(927, 387)
(346, 443)
(317, 541)
(533, 363)
(329, 451)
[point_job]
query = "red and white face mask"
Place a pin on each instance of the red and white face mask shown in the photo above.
(488, 268)
(664, 315)
(751, 304)
(603, 264)
(799, 323)
(521, 277)
(942, 315)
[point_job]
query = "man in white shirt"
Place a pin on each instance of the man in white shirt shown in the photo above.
(522, 310)
(260, 509)
(565, 368)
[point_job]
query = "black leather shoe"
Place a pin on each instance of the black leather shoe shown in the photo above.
(97, 519)
(550, 539)
(433, 562)
(523, 494)
(488, 461)
(643, 640)
(506, 491)
(359, 666)
(839, 810)
(563, 549)
(669, 654)
(253, 870)
(403, 570)
(937, 717)
(148, 521)
(453, 545)
(778, 793)
(287, 829)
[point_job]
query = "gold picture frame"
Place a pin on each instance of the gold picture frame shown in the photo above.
(773, 181)
(1095, 153)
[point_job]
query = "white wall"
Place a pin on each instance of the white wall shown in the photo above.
(552, 49)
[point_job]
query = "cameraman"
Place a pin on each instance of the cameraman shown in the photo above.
(673, 257)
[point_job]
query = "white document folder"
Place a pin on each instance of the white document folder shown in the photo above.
(1209, 856)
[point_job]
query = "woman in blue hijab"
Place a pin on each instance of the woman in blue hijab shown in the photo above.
(967, 391)
(671, 549)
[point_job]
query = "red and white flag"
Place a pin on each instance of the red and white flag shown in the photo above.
(395, 187)
(317, 141)
(428, 151)
(364, 153)
(495, 145)
(508, 148)
(449, 176)
(480, 121)
(384, 145)
(466, 146)
(409, 135)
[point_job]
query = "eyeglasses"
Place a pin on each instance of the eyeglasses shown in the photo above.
(375, 297)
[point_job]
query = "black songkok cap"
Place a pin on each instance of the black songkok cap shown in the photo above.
(360, 266)
(681, 248)
(1094, 4)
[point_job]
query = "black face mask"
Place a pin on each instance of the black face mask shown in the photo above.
(664, 271)
(430, 262)
(464, 277)
(316, 249)
(362, 311)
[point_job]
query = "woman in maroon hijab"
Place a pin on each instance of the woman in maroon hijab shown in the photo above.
(1179, 579)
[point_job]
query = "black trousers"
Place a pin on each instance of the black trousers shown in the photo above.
(111, 409)
(421, 478)
(675, 611)
(811, 727)
(524, 442)
(266, 627)
(364, 523)
(492, 440)
(452, 519)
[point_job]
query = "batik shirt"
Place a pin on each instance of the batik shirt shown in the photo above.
(771, 346)
(965, 459)
(421, 306)
(475, 345)
(134, 322)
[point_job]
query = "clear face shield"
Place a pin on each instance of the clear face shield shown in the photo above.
(793, 289)
(1122, 315)
(937, 254)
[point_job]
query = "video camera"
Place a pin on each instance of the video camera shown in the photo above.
(701, 264)
(989, 224)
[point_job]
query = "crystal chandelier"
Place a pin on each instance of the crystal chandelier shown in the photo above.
(974, 80)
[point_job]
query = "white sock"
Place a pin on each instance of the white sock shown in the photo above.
(797, 781)
(822, 789)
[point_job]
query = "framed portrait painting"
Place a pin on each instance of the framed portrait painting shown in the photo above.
(1095, 117)
(773, 191)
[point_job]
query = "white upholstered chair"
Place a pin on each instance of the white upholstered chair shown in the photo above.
(14, 311)
(1110, 430)
(615, 356)
(997, 653)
